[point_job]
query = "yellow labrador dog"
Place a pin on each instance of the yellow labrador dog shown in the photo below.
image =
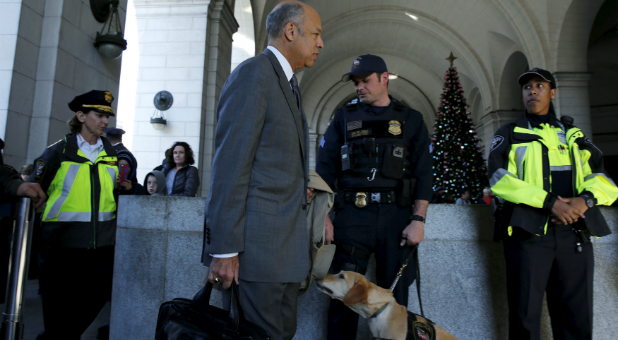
(386, 318)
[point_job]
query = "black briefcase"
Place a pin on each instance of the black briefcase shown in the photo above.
(184, 319)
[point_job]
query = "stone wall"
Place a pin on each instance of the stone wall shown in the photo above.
(159, 245)
(49, 59)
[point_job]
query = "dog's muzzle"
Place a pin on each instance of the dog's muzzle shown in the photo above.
(324, 289)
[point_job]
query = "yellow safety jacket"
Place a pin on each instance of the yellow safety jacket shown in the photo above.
(81, 208)
(525, 164)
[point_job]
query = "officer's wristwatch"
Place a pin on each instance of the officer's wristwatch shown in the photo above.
(417, 218)
(589, 201)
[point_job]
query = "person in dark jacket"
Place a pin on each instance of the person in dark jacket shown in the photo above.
(182, 179)
(131, 186)
(12, 186)
(465, 198)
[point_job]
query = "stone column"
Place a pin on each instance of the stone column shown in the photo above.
(490, 123)
(220, 28)
(314, 143)
(172, 38)
(572, 99)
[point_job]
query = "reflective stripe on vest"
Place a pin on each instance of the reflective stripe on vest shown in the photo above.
(593, 175)
(497, 176)
(112, 172)
(560, 168)
(66, 188)
(83, 216)
(520, 155)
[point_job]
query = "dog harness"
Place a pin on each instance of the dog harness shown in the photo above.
(417, 329)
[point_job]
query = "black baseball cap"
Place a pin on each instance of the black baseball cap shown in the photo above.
(364, 66)
(540, 73)
(100, 101)
(114, 131)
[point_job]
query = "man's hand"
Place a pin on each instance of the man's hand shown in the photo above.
(225, 270)
(564, 212)
(310, 193)
(413, 234)
(329, 231)
(34, 192)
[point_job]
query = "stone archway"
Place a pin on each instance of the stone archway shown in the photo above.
(571, 70)
(602, 64)
(510, 91)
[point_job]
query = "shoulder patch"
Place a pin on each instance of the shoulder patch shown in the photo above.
(322, 142)
(40, 167)
(495, 142)
(54, 144)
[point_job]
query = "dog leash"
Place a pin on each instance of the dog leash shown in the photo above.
(418, 276)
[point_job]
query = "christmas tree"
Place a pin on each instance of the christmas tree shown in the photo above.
(458, 163)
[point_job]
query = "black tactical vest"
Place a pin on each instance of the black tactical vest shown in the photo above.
(378, 150)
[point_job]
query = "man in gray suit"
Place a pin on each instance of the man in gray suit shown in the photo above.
(255, 220)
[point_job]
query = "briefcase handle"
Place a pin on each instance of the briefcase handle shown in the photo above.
(202, 299)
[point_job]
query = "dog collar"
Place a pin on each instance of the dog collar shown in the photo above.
(380, 310)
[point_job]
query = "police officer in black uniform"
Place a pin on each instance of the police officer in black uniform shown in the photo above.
(376, 154)
(115, 137)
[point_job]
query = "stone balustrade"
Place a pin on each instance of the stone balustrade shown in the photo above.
(158, 253)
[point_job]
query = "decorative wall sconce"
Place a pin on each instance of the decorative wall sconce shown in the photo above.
(110, 43)
(163, 100)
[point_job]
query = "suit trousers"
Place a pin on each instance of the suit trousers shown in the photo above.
(549, 264)
(270, 305)
(75, 284)
(375, 229)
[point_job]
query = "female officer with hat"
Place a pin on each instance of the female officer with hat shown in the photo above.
(79, 222)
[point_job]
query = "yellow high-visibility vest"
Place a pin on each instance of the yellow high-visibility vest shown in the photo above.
(79, 189)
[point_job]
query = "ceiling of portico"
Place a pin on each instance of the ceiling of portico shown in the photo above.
(415, 37)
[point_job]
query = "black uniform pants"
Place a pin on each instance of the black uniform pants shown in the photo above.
(376, 229)
(549, 264)
(75, 284)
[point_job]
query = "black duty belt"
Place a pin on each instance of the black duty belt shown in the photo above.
(349, 249)
(364, 198)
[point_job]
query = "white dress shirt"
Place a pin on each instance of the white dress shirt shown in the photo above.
(285, 64)
(91, 151)
(287, 68)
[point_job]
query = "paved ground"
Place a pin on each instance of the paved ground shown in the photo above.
(33, 314)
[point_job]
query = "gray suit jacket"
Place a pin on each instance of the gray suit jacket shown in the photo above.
(259, 176)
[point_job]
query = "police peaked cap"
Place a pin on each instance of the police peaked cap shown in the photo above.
(100, 101)
(114, 131)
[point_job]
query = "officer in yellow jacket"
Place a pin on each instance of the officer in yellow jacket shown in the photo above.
(79, 223)
(553, 180)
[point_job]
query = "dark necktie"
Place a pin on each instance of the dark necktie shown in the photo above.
(296, 91)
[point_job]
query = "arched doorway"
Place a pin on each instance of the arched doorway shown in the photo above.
(603, 67)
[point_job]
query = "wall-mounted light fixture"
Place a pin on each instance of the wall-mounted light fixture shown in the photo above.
(110, 41)
(163, 100)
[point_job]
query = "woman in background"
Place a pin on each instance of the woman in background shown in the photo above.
(181, 176)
